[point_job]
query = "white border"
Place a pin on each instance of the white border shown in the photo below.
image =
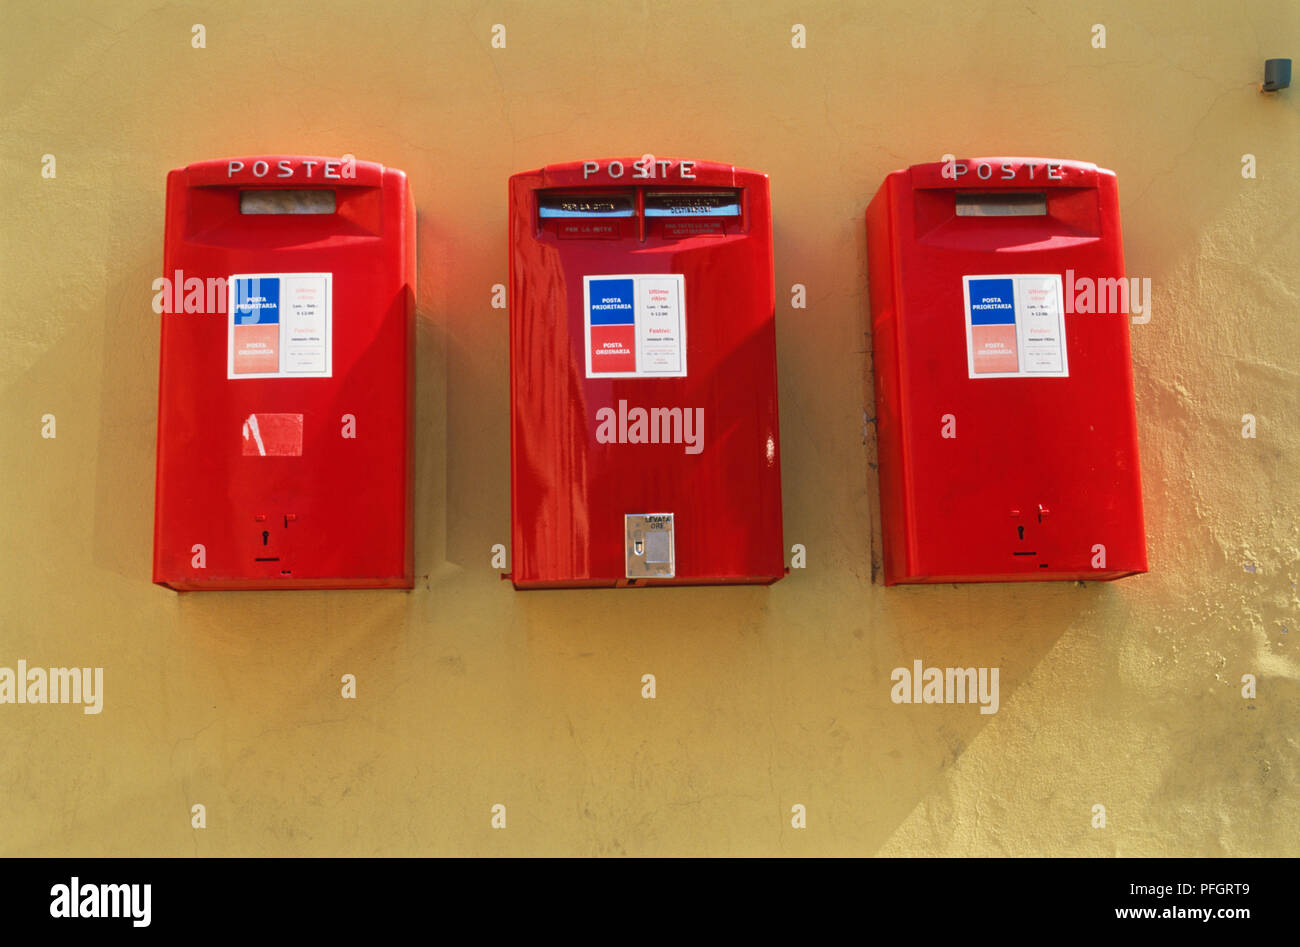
(679, 278)
(230, 328)
(1020, 325)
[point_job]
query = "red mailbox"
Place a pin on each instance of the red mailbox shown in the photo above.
(285, 381)
(1004, 389)
(644, 447)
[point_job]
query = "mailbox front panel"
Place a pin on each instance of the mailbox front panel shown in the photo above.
(286, 376)
(644, 442)
(1004, 399)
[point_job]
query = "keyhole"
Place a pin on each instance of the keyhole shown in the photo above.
(1019, 529)
(265, 537)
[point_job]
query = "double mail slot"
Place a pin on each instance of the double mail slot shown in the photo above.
(641, 212)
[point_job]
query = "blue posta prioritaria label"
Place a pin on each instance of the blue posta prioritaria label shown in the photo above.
(635, 325)
(280, 325)
(1015, 326)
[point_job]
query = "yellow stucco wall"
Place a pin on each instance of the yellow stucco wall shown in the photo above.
(1126, 695)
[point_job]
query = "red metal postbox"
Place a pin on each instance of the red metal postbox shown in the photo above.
(286, 376)
(1004, 388)
(644, 447)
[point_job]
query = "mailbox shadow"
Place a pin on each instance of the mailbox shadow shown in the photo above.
(771, 696)
(124, 455)
(1009, 626)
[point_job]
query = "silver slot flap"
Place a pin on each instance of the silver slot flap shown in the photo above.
(585, 205)
(692, 204)
(1001, 204)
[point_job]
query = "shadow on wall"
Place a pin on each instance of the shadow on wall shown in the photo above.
(128, 420)
(762, 704)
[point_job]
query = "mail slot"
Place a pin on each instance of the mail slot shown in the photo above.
(644, 441)
(286, 376)
(1005, 417)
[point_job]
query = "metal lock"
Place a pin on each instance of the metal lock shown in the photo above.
(649, 545)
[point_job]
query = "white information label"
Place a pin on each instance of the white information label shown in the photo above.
(304, 328)
(1015, 326)
(635, 325)
(279, 325)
